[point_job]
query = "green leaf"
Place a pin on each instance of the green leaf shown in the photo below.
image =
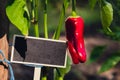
(16, 13)
(92, 3)
(96, 53)
(110, 62)
(106, 16)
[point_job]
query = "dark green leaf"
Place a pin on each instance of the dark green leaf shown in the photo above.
(106, 16)
(16, 14)
(110, 62)
(96, 53)
(92, 3)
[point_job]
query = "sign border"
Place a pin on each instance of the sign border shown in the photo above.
(36, 64)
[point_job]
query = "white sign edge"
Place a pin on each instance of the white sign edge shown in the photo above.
(36, 64)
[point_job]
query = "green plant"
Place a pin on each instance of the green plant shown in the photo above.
(106, 13)
(24, 15)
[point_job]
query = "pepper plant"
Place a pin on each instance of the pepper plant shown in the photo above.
(24, 15)
(74, 33)
(110, 28)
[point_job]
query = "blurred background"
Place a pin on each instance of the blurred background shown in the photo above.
(95, 41)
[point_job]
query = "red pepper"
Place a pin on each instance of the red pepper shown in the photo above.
(74, 34)
(73, 53)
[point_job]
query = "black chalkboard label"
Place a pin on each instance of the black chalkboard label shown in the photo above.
(39, 51)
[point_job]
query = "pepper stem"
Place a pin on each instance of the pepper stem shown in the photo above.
(74, 8)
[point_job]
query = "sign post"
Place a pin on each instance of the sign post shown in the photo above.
(37, 72)
(38, 52)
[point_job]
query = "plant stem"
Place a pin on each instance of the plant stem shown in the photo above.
(61, 20)
(36, 9)
(60, 77)
(45, 19)
(35, 17)
(45, 32)
(57, 33)
(33, 8)
(36, 30)
(74, 8)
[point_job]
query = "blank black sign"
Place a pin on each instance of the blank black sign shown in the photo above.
(39, 51)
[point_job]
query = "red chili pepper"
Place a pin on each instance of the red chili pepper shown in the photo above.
(74, 34)
(73, 53)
